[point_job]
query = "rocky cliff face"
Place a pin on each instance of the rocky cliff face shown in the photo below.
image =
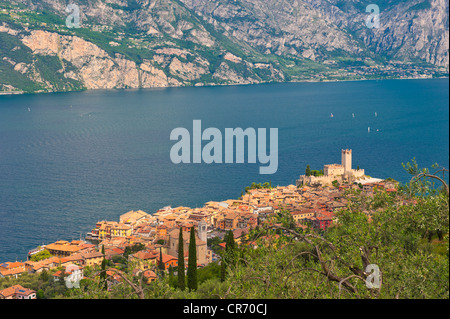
(317, 28)
(160, 43)
(409, 30)
(419, 30)
(96, 69)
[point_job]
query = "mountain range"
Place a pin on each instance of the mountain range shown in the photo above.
(161, 43)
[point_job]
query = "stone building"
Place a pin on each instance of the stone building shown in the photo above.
(172, 244)
(331, 172)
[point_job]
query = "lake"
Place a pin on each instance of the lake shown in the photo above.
(68, 160)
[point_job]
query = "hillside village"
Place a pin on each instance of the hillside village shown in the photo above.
(156, 235)
(309, 206)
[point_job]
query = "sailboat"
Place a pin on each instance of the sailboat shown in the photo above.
(368, 129)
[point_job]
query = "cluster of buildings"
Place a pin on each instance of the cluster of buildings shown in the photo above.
(312, 203)
(334, 172)
(63, 253)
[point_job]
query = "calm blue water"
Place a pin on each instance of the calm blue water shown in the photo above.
(76, 158)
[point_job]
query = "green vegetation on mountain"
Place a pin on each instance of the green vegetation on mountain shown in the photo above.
(211, 42)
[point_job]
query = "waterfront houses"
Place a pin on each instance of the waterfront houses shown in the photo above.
(134, 218)
(64, 248)
(109, 230)
(126, 226)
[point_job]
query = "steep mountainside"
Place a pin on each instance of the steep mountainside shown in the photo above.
(160, 43)
(317, 28)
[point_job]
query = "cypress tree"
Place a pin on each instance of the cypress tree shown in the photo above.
(230, 242)
(103, 275)
(230, 247)
(161, 264)
(223, 270)
(308, 170)
(181, 274)
(192, 263)
(228, 256)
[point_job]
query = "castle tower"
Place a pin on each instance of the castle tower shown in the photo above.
(202, 230)
(347, 161)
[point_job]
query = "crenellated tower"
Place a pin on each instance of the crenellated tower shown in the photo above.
(346, 161)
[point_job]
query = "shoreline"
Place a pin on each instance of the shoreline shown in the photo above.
(2, 93)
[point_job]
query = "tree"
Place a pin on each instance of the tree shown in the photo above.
(285, 218)
(181, 274)
(133, 249)
(308, 170)
(43, 254)
(213, 243)
(435, 221)
(192, 263)
(229, 255)
(223, 270)
(211, 271)
(40, 294)
(416, 185)
(315, 172)
(44, 275)
(161, 266)
(230, 243)
(258, 186)
(172, 279)
(103, 274)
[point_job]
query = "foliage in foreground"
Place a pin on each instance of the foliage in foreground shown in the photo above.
(405, 235)
(333, 266)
